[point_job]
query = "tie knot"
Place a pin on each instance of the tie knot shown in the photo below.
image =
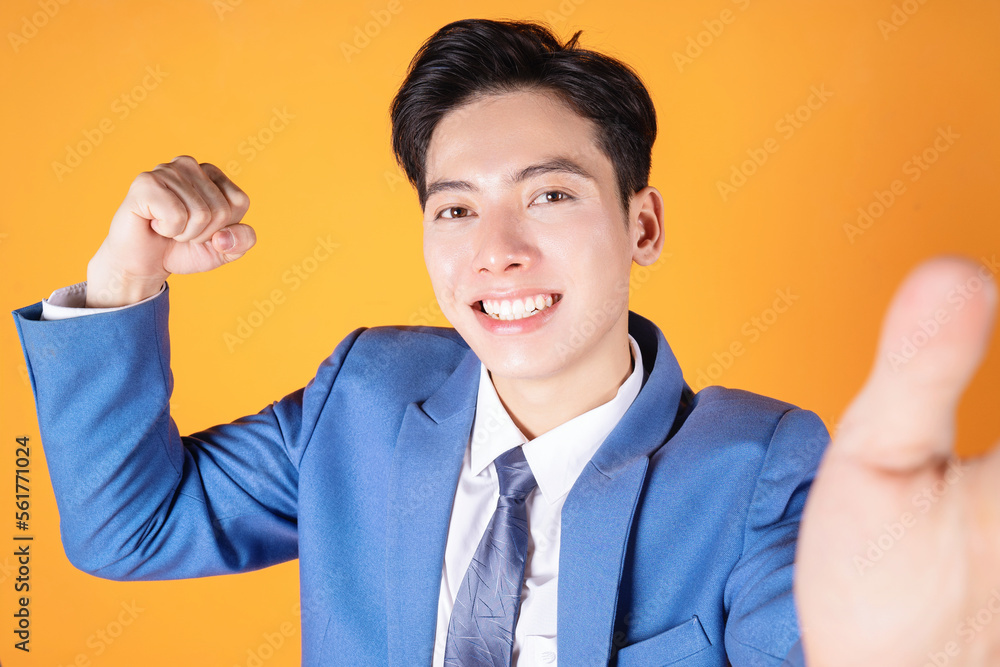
(516, 480)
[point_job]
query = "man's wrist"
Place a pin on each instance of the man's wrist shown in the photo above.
(115, 295)
(107, 289)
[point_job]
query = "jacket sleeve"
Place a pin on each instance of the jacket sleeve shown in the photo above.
(762, 626)
(136, 499)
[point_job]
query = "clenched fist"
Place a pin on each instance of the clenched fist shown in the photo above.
(181, 217)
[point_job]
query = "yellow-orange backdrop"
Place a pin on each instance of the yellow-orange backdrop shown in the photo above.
(778, 120)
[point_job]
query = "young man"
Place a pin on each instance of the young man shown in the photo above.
(537, 484)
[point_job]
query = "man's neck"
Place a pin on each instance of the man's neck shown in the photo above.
(539, 405)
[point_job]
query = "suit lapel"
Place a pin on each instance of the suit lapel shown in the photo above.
(425, 468)
(596, 521)
(598, 515)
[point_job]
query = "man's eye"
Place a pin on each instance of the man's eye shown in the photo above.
(553, 196)
(450, 212)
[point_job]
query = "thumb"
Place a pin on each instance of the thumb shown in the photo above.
(234, 240)
(934, 337)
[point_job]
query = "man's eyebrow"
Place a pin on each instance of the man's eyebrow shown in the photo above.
(551, 165)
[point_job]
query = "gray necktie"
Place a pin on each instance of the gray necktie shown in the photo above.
(481, 631)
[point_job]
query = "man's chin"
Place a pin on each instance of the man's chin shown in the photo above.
(521, 365)
(536, 354)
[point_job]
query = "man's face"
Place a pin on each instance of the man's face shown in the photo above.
(507, 220)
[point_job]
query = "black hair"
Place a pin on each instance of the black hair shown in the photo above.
(474, 57)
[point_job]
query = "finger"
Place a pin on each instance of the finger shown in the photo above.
(934, 336)
(198, 212)
(200, 226)
(157, 204)
(239, 202)
(234, 240)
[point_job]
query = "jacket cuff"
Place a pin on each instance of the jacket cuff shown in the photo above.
(71, 301)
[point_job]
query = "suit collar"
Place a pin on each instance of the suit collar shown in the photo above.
(647, 423)
(598, 515)
(457, 393)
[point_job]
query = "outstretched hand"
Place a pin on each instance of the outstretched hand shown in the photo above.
(898, 557)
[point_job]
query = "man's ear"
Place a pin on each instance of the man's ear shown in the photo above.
(646, 225)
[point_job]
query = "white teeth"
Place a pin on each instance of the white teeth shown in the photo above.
(518, 308)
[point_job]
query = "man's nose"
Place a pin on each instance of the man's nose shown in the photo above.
(504, 243)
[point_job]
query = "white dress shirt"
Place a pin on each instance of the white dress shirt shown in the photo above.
(556, 458)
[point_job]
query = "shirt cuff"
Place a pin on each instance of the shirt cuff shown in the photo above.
(67, 302)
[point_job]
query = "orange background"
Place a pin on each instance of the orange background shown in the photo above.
(225, 66)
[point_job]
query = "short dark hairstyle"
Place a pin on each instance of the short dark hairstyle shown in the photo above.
(474, 57)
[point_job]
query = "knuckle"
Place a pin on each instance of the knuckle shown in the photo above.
(145, 179)
(199, 214)
(240, 201)
(221, 214)
(185, 160)
(165, 167)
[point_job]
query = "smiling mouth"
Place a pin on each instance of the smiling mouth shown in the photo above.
(517, 309)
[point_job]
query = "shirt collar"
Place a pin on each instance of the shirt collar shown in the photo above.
(558, 456)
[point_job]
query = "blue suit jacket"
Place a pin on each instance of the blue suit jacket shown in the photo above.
(678, 539)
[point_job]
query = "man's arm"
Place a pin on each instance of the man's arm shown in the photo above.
(136, 499)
